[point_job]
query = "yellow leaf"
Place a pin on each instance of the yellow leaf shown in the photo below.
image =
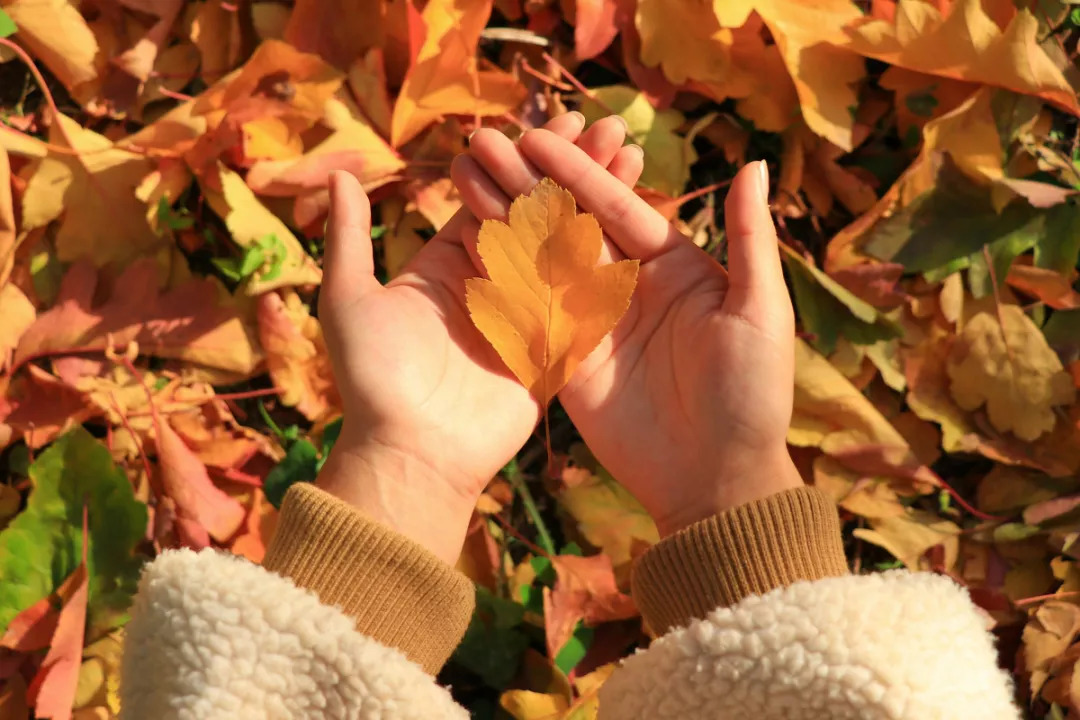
(668, 156)
(529, 705)
(547, 305)
(55, 33)
(1012, 370)
(444, 79)
(18, 313)
(965, 45)
(909, 536)
(95, 191)
(609, 516)
(250, 221)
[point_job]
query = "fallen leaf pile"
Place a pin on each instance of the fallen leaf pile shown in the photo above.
(164, 377)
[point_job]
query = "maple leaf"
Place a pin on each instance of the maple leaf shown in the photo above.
(584, 591)
(909, 536)
(195, 321)
(77, 186)
(1049, 286)
(966, 44)
(444, 78)
(340, 31)
(1008, 366)
(546, 305)
(296, 356)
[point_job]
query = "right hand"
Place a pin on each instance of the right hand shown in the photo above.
(687, 403)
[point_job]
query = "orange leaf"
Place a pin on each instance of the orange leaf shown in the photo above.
(52, 691)
(966, 44)
(444, 78)
(1051, 287)
(547, 304)
(296, 355)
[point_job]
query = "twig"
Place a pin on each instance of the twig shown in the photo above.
(517, 482)
(533, 547)
(1042, 598)
(544, 77)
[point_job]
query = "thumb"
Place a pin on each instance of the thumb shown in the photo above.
(348, 266)
(755, 275)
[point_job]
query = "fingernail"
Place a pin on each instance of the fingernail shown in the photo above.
(640, 150)
(579, 116)
(763, 180)
(625, 125)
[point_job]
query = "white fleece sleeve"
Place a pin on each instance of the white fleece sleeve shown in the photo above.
(890, 646)
(213, 636)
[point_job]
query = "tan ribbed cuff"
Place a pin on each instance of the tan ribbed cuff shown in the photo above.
(749, 550)
(397, 591)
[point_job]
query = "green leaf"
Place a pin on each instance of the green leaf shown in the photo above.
(1002, 253)
(922, 104)
(947, 223)
(253, 259)
(829, 311)
(299, 465)
(7, 25)
(575, 648)
(43, 544)
(493, 644)
(1059, 244)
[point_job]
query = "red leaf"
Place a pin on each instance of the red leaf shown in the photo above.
(202, 508)
(33, 628)
(595, 28)
(52, 691)
(584, 590)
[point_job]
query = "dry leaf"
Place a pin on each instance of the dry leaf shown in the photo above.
(296, 356)
(1011, 370)
(547, 304)
(444, 78)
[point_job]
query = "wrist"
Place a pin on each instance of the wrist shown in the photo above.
(754, 478)
(400, 491)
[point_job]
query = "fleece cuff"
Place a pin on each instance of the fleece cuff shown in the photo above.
(397, 591)
(749, 550)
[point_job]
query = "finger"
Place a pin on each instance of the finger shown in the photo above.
(348, 265)
(638, 230)
(568, 125)
(481, 195)
(603, 138)
(627, 165)
(512, 172)
(757, 290)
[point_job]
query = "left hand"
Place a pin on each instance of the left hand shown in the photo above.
(431, 414)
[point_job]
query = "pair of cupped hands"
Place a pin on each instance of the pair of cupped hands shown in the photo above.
(686, 403)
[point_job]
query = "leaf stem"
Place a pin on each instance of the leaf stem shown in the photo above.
(517, 482)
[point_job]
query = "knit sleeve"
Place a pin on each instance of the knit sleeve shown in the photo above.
(396, 591)
(749, 550)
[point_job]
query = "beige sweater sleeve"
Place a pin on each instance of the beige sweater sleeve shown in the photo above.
(749, 550)
(397, 592)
